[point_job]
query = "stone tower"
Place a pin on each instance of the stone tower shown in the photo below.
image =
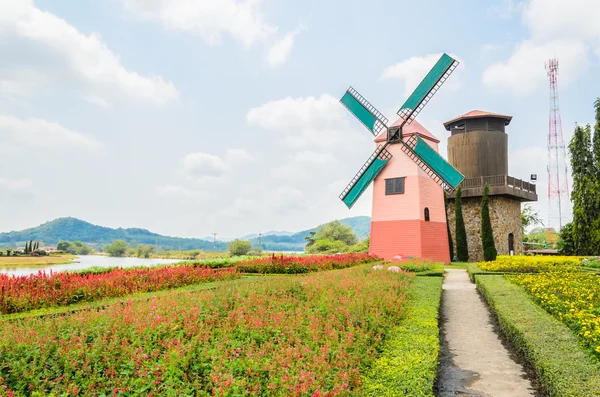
(408, 217)
(478, 148)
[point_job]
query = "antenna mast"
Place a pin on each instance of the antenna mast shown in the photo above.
(215, 240)
(558, 184)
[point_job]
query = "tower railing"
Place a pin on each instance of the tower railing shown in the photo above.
(498, 180)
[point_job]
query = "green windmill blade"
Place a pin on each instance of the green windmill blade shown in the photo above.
(365, 175)
(427, 88)
(364, 111)
(432, 163)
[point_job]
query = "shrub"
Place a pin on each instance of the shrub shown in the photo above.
(296, 264)
(116, 248)
(562, 366)
(23, 293)
(408, 364)
(239, 247)
(530, 264)
(462, 247)
(487, 234)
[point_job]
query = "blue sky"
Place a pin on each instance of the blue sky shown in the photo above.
(192, 116)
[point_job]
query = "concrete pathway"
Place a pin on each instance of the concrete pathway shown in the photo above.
(473, 361)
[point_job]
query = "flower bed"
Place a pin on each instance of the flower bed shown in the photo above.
(23, 293)
(530, 264)
(292, 336)
(296, 264)
(573, 298)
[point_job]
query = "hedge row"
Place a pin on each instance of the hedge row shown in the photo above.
(408, 364)
(562, 365)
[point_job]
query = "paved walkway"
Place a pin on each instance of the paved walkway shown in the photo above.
(473, 361)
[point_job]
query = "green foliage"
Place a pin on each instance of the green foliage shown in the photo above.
(529, 217)
(239, 247)
(462, 247)
(116, 248)
(450, 243)
(586, 226)
(74, 247)
(333, 238)
(144, 251)
(487, 234)
(408, 364)
(562, 366)
(566, 244)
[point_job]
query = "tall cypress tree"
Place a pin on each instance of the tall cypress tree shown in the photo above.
(583, 193)
(487, 234)
(450, 244)
(462, 247)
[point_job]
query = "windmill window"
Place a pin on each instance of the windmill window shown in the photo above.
(426, 214)
(394, 186)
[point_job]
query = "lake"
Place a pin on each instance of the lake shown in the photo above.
(87, 261)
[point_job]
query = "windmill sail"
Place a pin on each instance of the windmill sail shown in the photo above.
(364, 111)
(365, 175)
(432, 163)
(427, 88)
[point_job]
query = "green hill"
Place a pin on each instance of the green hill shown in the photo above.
(73, 229)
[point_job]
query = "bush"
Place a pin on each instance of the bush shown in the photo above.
(487, 234)
(116, 248)
(296, 264)
(530, 264)
(462, 247)
(561, 365)
(239, 247)
(408, 364)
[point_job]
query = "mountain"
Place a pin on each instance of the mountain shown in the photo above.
(73, 229)
(361, 225)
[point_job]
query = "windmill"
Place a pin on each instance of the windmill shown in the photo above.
(397, 223)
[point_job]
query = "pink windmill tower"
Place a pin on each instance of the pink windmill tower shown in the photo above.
(409, 176)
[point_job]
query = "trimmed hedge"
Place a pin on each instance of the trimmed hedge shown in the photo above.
(408, 364)
(562, 365)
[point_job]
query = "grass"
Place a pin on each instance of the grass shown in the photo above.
(408, 364)
(34, 261)
(457, 265)
(563, 366)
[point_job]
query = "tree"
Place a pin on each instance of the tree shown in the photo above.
(583, 194)
(566, 244)
(335, 231)
(116, 248)
(462, 247)
(310, 238)
(450, 244)
(239, 247)
(530, 217)
(487, 233)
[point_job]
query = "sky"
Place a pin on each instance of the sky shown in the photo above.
(186, 117)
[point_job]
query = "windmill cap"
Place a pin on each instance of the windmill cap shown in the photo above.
(476, 114)
(409, 129)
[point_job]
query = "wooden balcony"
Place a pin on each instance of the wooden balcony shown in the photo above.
(500, 185)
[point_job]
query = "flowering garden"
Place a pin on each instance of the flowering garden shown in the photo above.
(311, 335)
(282, 264)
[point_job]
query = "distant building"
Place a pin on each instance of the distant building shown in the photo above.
(478, 148)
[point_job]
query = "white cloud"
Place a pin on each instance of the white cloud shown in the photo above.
(310, 157)
(16, 185)
(200, 165)
(281, 50)
(238, 156)
(524, 71)
(412, 71)
(179, 191)
(565, 29)
(307, 122)
(209, 19)
(42, 50)
(18, 133)
(559, 19)
(290, 171)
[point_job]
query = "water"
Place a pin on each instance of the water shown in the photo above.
(87, 261)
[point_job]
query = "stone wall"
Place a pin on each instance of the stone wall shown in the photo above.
(505, 215)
